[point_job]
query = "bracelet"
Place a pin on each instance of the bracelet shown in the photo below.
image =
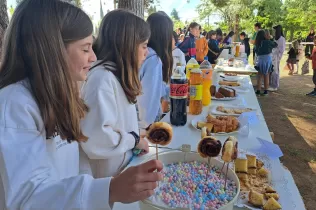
(136, 136)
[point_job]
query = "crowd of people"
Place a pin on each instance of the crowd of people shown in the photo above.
(268, 51)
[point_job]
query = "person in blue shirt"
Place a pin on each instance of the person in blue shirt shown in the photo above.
(188, 46)
(156, 70)
(213, 49)
(263, 49)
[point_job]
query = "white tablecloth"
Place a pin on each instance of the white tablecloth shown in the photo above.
(189, 135)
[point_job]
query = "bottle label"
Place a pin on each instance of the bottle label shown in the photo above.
(179, 91)
(196, 92)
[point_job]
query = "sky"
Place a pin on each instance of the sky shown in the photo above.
(187, 11)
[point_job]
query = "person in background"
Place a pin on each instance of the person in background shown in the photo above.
(110, 92)
(213, 48)
(41, 109)
(245, 41)
(179, 31)
(156, 70)
(264, 48)
(228, 40)
(177, 54)
(204, 33)
(313, 58)
(188, 46)
(257, 27)
(201, 47)
(293, 53)
(310, 38)
(224, 34)
(277, 54)
(181, 38)
(219, 36)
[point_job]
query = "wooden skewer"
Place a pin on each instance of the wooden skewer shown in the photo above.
(223, 167)
(157, 157)
(226, 176)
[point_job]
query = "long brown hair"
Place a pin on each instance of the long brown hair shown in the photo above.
(35, 49)
(121, 33)
(161, 28)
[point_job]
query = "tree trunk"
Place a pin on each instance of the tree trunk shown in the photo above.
(236, 28)
(114, 1)
(136, 6)
(4, 21)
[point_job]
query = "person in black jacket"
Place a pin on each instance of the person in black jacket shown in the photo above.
(310, 38)
(245, 41)
(213, 49)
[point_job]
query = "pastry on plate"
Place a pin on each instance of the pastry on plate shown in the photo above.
(252, 170)
(252, 161)
(272, 195)
(241, 165)
(219, 95)
(259, 164)
(213, 90)
(227, 92)
(272, 204)
(263, 172)
(159, 133)
(270, 189)
(255, 198)
(200, 125)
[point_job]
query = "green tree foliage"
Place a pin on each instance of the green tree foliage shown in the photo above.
(175, 14)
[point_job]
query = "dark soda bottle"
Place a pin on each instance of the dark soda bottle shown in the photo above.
(178, 97)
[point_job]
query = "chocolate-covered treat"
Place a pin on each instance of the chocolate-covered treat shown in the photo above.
(209, 147)
(159, 133)
(230, 149)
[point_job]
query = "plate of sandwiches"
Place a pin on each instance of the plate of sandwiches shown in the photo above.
(216, 125)
(255, 184)
(230, 110)
(223, 93)
(230, 77)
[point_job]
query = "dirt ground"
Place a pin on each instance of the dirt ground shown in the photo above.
(292, 117)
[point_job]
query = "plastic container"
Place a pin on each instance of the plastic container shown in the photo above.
(178, 156)
(190, 65)
(196, 91)
(207, 70)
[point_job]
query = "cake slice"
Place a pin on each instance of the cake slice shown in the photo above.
(242, 176)
(263, 172)
(255, 198)
(213, 90)
(272, 204)
(260, 164)
(219, 95)
(272, 195)
(270, 189)
(252, 161)
(209, 128)
(227, 92)
(241, 165)
(252, 171)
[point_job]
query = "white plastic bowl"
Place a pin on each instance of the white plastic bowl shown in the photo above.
(178, 156)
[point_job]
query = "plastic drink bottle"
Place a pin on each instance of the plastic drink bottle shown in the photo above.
(206, 68)
(196, 91)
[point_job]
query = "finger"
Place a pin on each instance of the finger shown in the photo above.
(144, 194)
(151, 166)
(151, 177)
(140, 187)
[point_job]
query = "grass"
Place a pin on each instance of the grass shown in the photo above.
(301, 154)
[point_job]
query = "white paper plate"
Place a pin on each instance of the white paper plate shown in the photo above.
(202, 118)
(214, 111)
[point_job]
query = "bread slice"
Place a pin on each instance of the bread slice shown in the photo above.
(227, 92)
(272, 195)
(255, 198)
(272, 204)
(241, 165)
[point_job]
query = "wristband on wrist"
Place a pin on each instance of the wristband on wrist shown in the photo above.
(136, 136)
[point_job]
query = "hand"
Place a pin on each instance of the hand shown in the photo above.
(143, 145)
(136, 183)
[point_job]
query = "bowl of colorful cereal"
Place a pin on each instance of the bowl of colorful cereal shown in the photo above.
(193, 183)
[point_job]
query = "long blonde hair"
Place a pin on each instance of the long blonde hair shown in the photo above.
(35, 49)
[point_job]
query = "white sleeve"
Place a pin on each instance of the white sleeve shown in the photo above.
(27, 173)
(104, 141)
(182, 59)
(152, 83)
(281, 46)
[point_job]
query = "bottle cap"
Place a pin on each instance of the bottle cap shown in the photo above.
(206, 58)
